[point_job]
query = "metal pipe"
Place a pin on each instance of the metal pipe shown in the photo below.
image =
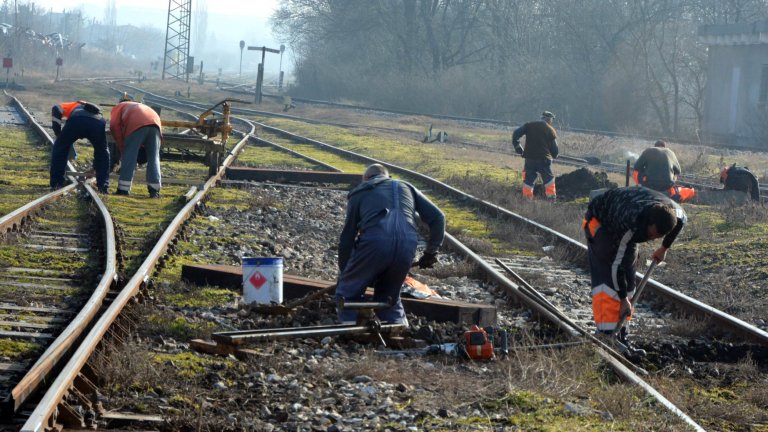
(240, 337)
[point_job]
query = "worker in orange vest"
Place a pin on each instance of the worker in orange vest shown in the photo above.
(134, 125)
(59, 114)
(615, 222)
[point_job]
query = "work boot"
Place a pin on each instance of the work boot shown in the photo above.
(153, 193)
(121, 192)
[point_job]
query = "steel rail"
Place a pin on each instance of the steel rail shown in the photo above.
(533, 302)
(539, 304)
(738, 326)
(43, 416)
(685, 179)
(60, 348)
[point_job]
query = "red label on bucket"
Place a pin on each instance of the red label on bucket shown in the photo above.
(257, 280)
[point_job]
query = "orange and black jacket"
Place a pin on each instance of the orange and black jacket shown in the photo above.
(60, 112)
(540, 140)
(622, 212)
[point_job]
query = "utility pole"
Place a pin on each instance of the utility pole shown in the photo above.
(260, 75)
(176, 56)
(280, 79)
(242, 45)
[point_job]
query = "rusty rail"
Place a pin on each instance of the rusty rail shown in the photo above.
(60, 348)
(44, 415)
(746, 330)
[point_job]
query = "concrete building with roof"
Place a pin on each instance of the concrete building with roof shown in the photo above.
(736, 95)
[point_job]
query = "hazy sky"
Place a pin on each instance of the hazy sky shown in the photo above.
(253, 8)
(229, 22)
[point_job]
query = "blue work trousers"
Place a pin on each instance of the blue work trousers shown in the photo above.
(78, 127)
(381, 260)
(149, 137)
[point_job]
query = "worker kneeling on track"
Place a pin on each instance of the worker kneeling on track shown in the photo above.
(615, 222)
(86, 122)
(657, 168)
(133, 126)
(378, 242)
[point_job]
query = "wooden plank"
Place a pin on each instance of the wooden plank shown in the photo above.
(52, 321)
(35, 286)
(441, 310)
(131, 417)
(56, 248)
(24, 324)
(51, 310)
(292, 176)
(210, 347)
(25, 335)
(70, 281)
(13, 367)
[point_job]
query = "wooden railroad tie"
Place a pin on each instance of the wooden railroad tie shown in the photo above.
(296, 287)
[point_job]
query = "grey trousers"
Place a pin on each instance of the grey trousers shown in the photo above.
(149, 137)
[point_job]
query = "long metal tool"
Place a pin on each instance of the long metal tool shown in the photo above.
(244, 336)
(636, 297)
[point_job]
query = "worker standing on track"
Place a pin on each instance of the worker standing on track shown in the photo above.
(59, 114)
(87, 122)
(740, 179)
(134, 125)
(657, 168)
(378, 243)
(614, 223)
(540, 149)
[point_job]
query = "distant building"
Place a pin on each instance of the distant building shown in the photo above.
(736, 96)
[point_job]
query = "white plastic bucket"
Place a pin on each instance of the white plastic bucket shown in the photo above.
(263, 280)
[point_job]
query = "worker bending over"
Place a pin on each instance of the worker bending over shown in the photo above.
(740, 179)
(615, 222)
(657, 168)
(87, 122)
(134, 125)
(540, 149)
(59, 114)
(378, 243)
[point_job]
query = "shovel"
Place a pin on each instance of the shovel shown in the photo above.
(640, 288)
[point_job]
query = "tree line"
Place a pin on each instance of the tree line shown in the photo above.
(623, 65)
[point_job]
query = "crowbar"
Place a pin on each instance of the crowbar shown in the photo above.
(636, 297)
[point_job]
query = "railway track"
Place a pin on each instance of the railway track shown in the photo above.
(744, 330)
(71, 381)
(57, 265)
(68, 400)
(689, 180)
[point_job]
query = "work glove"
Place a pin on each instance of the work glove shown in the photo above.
(519, 150)
(427, 260)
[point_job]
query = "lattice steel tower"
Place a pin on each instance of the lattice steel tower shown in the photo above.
(177, 39)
